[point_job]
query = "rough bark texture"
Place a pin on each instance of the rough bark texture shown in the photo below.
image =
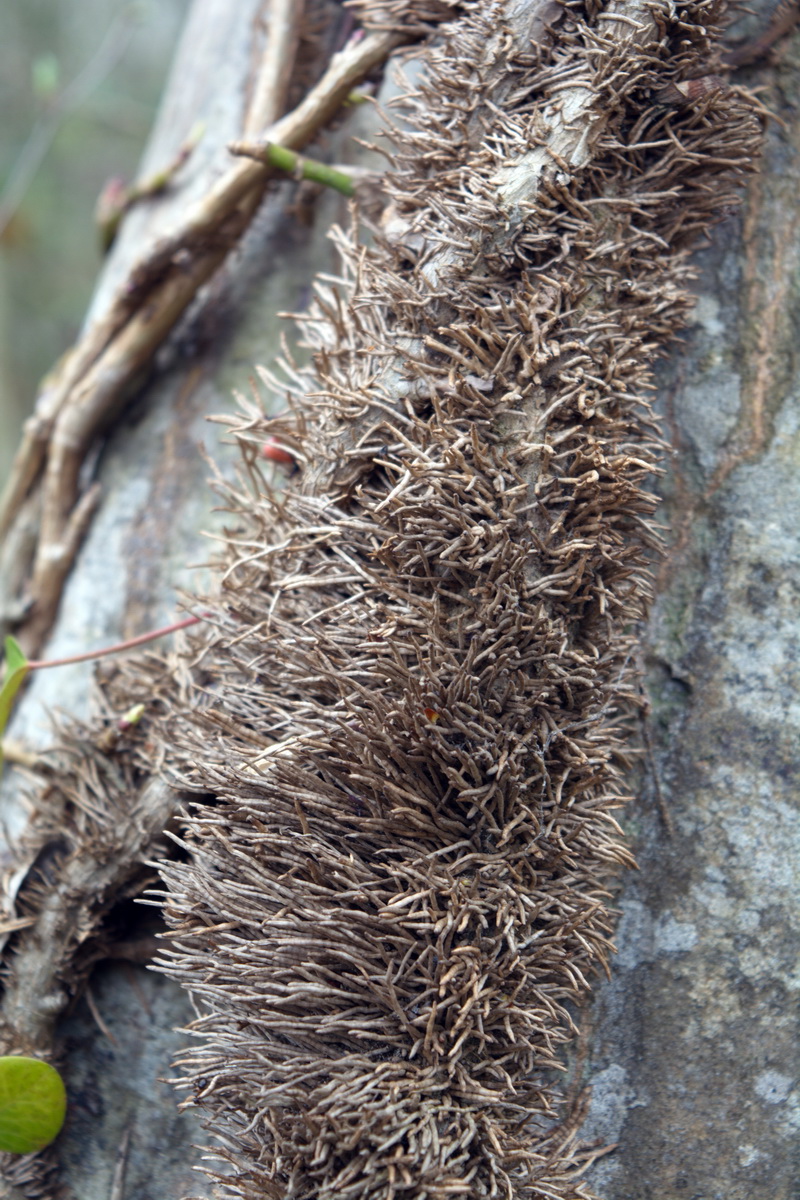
(695, 1059)
(693, 1055)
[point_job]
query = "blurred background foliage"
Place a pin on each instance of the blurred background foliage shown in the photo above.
(80, 81)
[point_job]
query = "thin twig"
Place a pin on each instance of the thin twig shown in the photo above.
(117, 648)
(346, 69)
(116, 199)
(296, 165)
(268, 102)
(97, 374)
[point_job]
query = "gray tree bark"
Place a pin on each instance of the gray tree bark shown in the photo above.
(692, 1053)
(695, 1057)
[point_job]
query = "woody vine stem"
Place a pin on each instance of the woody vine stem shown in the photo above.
(43, 485)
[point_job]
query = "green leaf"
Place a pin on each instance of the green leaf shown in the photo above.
(15, 658)
(33, 1104)
(16, 670)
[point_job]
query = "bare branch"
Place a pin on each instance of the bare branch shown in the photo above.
(91, 386)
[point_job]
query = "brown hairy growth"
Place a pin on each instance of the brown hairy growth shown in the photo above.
(406, 743)
(411, 16)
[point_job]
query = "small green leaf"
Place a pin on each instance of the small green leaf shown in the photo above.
(16, 670)
(15, 657)
(33, 1104)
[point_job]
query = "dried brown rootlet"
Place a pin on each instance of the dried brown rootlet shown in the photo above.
(410, 16)
(407, 741)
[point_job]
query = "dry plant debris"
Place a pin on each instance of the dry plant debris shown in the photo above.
(407, 733)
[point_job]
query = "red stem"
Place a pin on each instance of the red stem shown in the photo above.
(137, 641)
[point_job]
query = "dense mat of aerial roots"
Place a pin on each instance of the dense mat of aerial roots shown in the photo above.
(405, 738)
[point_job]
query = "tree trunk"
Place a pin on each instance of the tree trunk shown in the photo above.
(695, 1055)
(691, 1046)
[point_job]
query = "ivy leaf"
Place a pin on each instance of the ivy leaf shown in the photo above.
(16, 670)
(33, 1103)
